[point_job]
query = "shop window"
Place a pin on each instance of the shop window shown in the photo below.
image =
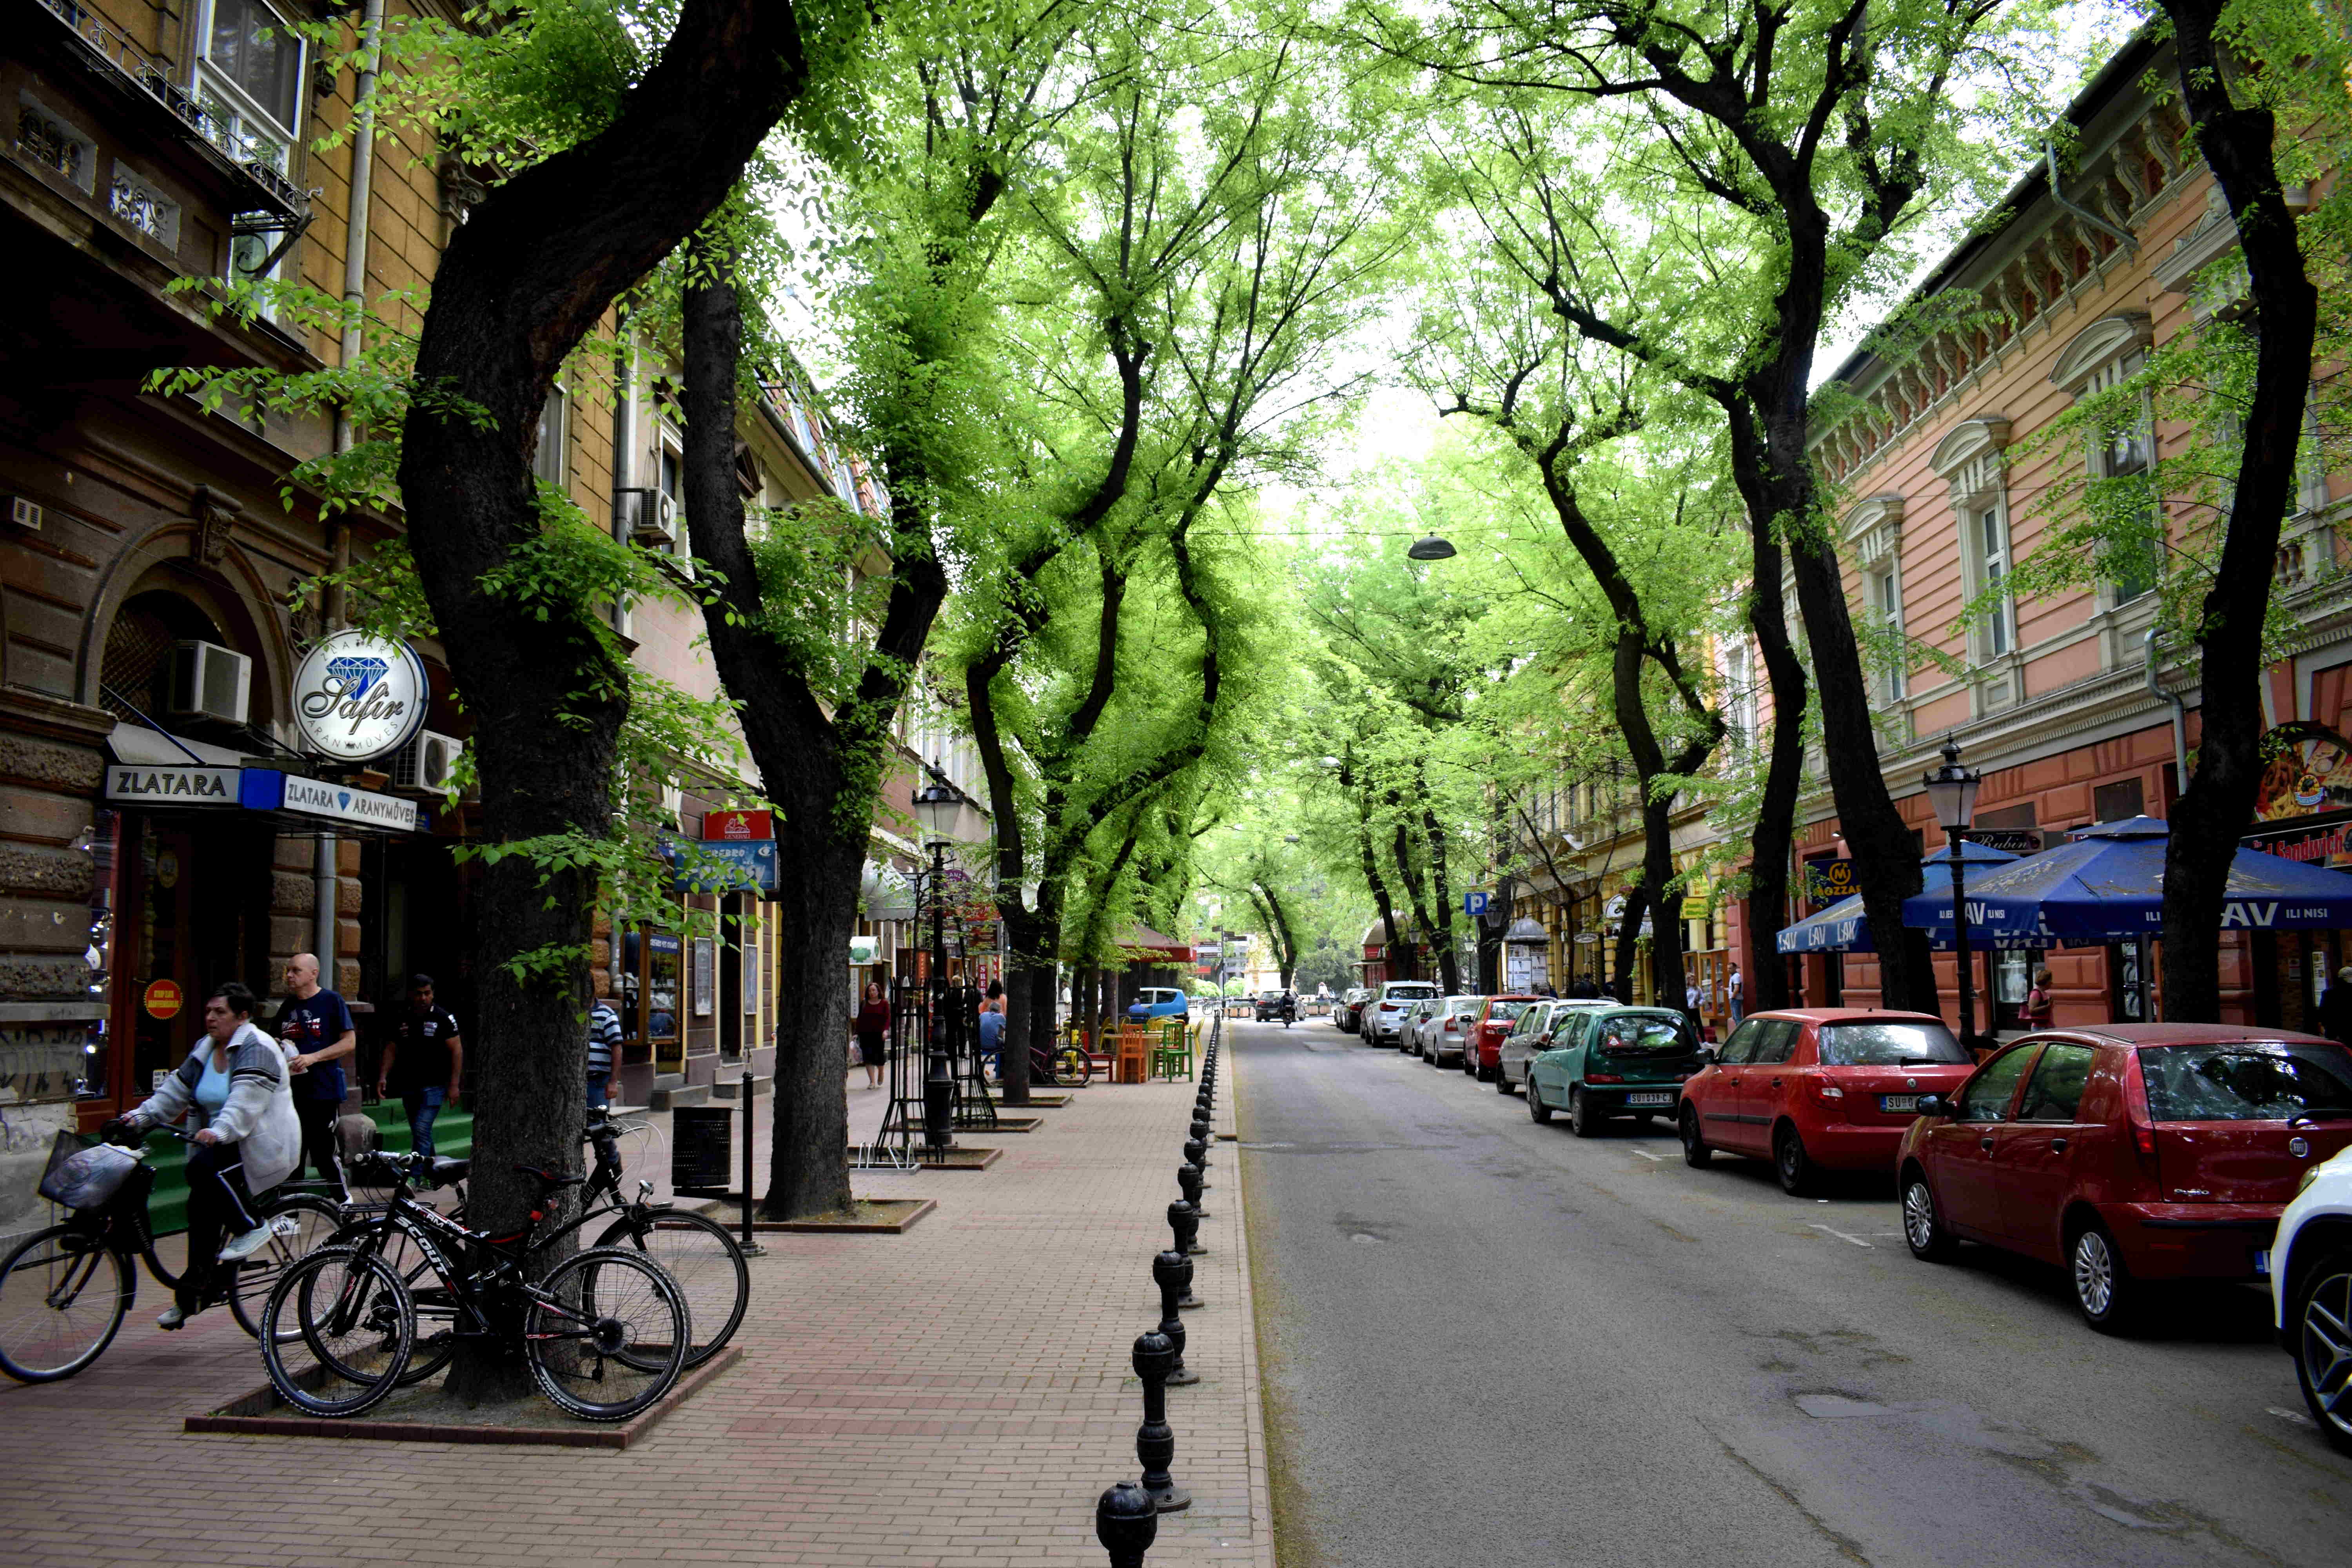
(2119, 800)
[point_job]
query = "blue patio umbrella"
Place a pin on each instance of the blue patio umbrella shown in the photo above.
(1843, 928)
(2106, 884)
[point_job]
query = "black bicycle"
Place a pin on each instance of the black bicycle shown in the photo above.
(605, 1331)
(65, 1290)
(700, 1254)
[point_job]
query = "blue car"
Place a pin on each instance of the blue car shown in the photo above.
(1153, 1002)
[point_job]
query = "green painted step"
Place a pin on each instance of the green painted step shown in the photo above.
(167, 1208)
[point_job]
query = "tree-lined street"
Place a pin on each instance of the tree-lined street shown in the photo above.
(1487, 1340)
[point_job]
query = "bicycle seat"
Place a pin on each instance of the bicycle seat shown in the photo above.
(547, 1179)
(447, 1171)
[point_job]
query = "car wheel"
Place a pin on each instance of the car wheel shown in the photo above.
(1537, 1110)
(2104, 1291)
(1923, 1224)
(1582, 1119)
(1503, 1082)
(1792, 1164)
(2322, 1325)
(1695, 1154)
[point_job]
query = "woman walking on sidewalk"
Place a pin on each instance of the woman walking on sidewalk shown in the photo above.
(871, 1029)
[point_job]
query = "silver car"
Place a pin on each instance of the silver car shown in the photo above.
(1439, 1034)
(1532, 1034)
(1416, 1014)
(1384, 1019)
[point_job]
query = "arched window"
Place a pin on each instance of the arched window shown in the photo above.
(2103, 358)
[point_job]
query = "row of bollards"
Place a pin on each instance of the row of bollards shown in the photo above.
(1127, 1518)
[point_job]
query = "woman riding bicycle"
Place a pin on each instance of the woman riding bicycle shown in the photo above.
(237, 1080)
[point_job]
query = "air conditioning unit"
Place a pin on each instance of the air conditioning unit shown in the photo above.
(428, 762)
(209, 681)
(652, 517)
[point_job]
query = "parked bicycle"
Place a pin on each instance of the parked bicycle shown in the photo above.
(604, 1333)
(65, 1290)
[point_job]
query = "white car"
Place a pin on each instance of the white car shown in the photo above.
(1384, 1019)
(2311, 1294)
(1437, 1038)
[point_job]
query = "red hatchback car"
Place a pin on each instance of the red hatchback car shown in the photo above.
(2128, 1153)
(1482, 1051)
(1815, 1089)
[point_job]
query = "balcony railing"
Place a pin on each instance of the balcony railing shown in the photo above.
(254, 156)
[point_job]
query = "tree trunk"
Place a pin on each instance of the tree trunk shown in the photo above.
(822, 771)
(531, 270)
(2218, 802)
(1764, 984)
(1449, 956)
(1629, 938)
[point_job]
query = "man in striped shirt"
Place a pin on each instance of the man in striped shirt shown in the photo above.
(604, 1051)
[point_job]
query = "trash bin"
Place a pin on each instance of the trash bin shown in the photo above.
(701, 1149)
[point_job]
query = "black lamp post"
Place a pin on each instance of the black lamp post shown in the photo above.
(1952, 790)
(935, 805)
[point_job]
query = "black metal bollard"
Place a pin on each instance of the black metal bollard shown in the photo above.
(1172, 1272)
(1155, 1444)
(1188, 1180)
(1184, 1224)
(1126, 1521)
(1196, 1152)
(1200, 1125)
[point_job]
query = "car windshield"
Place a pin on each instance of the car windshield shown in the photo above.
(1890, 1044)
(1646, 1034)
(2241, 1082)
(1409, 993)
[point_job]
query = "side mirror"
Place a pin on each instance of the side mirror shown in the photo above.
(1706, 1056)
(1936, 1105)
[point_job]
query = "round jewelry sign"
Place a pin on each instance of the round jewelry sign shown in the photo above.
(357, 697)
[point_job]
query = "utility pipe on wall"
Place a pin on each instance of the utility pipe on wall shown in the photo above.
(2179, 713)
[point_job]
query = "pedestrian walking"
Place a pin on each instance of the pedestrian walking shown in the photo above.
(423, 1062)
(1733, 989)
(992, 1028)
(2336, 1007)
(315, 1026)
(604, 1051)
(237, 1083)
(2038, 1002)
(871, 1030)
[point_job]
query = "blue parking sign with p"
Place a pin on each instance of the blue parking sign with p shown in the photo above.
(1474, 903)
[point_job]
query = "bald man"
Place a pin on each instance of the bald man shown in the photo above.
(316, 1030)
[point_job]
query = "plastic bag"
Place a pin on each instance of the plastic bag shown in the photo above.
(84, 1178)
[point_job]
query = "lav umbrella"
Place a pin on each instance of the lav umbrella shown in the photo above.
(2106, 884)
(1843, 928)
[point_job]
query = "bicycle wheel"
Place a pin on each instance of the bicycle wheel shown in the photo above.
(436, 1310)
(338, 1315)
(59, 1304)
(1073, 1066)
(707, 1263)
(299, 1223)
(606, 1333)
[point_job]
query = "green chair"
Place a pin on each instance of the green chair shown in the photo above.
(1172, 1057)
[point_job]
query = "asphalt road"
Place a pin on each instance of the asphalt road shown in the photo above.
(1489, 1343)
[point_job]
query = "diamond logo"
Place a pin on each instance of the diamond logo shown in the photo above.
(357, 672)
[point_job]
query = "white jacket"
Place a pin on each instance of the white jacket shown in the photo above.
(258, 1115)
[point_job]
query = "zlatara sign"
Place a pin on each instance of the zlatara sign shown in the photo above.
(357, 697)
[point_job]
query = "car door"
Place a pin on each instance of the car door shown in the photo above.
(2034, 1156)
(1554, 1060)
(1714, 1094)
(1959, 1153)
(1775, 1078)
(1751, 1107)
(1520, 1044)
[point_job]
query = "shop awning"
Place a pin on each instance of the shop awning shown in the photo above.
(1142, 944)
(1843, 927)
(138, 744)
(2106, 884)
(1527, 932)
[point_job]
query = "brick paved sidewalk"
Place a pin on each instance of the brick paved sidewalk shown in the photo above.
(958, 1394)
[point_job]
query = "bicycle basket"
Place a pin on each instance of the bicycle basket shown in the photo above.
(84, 1178)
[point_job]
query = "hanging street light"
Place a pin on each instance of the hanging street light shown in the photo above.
(1429, 547)
(1952, 791)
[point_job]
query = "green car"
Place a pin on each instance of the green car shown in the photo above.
(1613, 1061)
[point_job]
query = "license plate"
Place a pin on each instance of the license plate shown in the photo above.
(1649, 1099)
(2262, 1264)
(1905, 1102)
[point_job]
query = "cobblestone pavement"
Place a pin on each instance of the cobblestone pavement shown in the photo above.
(957, 1394)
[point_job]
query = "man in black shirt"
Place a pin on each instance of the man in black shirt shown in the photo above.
(316, 1029)
(424, 1061)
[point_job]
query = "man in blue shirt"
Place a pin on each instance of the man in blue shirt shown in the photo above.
(315, 1026)
(992, 1036)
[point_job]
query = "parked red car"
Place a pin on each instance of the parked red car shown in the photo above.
(1481, 1052)
(2129, 1153)
(1815, 1089)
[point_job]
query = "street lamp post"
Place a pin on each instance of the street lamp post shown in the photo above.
(935, 804)
(1952, 790)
